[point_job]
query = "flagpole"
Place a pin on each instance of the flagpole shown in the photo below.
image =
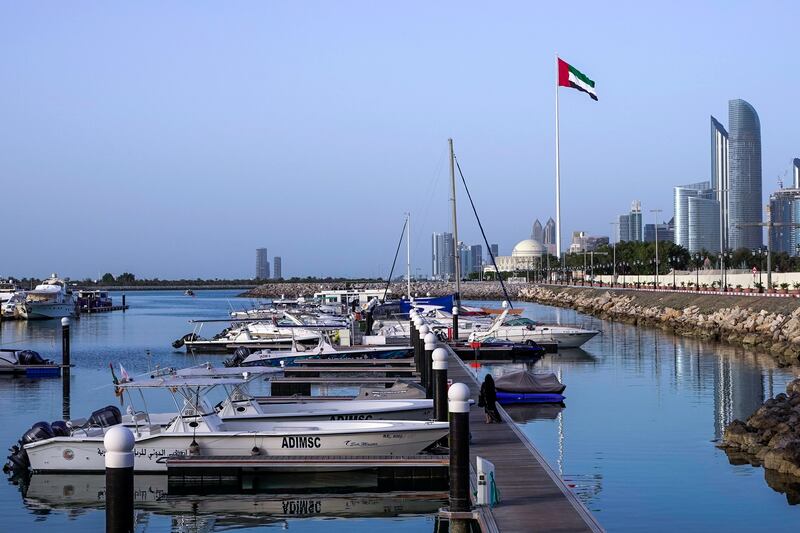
(558, 176)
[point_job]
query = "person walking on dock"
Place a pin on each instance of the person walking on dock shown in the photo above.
(488, 400)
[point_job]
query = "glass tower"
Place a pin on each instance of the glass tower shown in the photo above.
(744, 180)
(719, 174)
(703, 218)
(682, 195)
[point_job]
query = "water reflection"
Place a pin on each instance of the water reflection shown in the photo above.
(208, 505)
(637, 431)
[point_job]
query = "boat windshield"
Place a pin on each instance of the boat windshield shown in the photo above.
(519, 321)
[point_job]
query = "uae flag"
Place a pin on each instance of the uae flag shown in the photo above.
(569, 76)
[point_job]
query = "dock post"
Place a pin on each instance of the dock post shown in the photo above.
(119, 442)
(427, 381)
(123, 301)
(419, 349)
(412, 329)
(440, 384)
(458, 405)
(455, 323)
(65, 342)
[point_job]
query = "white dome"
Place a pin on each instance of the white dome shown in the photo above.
(528, 248)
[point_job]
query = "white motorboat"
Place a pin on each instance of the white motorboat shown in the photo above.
(7, 290)
(248, 334)
(240, 411)
(521, 329)
(78, 446)
(13, 308)
(323, 350)
(50, 299)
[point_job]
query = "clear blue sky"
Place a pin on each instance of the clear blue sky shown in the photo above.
(171, 139)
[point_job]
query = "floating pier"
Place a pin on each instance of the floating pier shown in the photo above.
(534, 497)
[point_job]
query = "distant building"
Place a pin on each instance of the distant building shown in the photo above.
(703, 216)
(495, 250)
(682, 193)
(744, 179)
(635, 221)
(796, 173)
(549, 236)
(624, 228)
(720, 178)
(262, 264)
(276, 262)
(442, 261)
(578, 242)
(526, 255)
(666, 232)
(537, 233)
(466, 259)
(476, 258)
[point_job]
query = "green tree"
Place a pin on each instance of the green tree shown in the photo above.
(107, 278)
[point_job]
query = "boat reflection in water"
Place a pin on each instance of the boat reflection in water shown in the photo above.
(267, 499)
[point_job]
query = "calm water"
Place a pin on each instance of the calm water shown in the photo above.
(635, 439)
(74, 503)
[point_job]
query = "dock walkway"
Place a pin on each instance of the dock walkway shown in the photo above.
(533, 497)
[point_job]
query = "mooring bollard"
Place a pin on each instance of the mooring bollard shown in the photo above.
(458, 406)
(123, 302)
(455, 323)
(419, 350)
(119, 442)
(440, 384)
(65, 342)
(430, 346)
(412, 328)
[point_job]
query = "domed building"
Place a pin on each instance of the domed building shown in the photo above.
(526, 255)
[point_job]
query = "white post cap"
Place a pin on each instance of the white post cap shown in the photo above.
(417, 321)
(455, 309)
(119, 442)
(423, 330)
(65, 321)
(458, 398)
(430, 341)
(504, 304)
(439, 357)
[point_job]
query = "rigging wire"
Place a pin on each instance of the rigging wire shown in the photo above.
(396, 253)
(474, 210)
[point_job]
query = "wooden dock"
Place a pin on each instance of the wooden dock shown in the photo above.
(533, 496)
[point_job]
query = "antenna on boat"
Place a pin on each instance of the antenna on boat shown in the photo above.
(408, 255)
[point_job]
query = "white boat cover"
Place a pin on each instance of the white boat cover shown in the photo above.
(526, 382)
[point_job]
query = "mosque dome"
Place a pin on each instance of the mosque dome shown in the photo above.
(528, 248)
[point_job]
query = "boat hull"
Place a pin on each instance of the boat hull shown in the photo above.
(87, 454)
(46, 311)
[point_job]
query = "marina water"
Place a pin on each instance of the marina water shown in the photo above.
(635, 439)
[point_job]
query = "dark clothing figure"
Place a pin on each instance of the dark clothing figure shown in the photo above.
(488, 400)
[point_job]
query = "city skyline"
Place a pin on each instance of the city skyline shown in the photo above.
(227, 103)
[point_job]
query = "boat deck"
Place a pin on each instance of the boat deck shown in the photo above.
(533, 497)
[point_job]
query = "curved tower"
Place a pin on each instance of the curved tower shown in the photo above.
(744, 176)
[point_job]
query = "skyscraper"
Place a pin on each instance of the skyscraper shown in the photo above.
(682, 195)
(635, 222)
(720, 178)
(537, 233)
(624, 228)
(549, 236)
(476, 257)
(276, 262)
(262, 264)
(796, 173)
(703, 222)
(442, 264)
(495, 250)
(744, 180)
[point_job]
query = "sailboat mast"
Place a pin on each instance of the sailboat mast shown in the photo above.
(456, 254)
(408, 254)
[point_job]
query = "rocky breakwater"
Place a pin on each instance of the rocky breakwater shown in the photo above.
(775, 332)
(771, 436)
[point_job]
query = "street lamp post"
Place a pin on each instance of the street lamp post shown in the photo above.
(656, 211)
(697, 272)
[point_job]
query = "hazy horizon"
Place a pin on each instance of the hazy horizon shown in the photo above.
(172, 140)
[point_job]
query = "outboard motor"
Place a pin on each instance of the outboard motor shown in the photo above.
(29, 357)
(109, 415)
(241, 353)
(60, 428)
(188, 337)
(18, 460)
